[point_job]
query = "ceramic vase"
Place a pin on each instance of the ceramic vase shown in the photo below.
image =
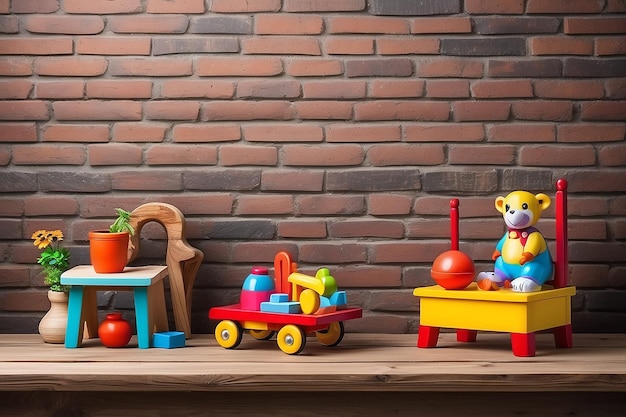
(54, 323)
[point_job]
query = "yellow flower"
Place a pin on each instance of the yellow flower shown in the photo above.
(40, 238)
(55, 235)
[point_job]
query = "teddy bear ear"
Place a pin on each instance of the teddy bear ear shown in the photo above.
(543, 200)
(500, 204)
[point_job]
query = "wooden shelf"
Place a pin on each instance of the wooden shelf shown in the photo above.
(388, 367)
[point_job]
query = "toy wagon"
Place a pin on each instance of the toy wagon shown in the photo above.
(292, 305)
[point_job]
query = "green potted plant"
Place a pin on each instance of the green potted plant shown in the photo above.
(108, 249)
(54, 260)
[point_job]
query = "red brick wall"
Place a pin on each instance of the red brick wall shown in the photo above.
(336, 130)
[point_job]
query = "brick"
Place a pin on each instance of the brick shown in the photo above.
(154, 67)
(583, 276)
(281, 45)
(419, 46)
(216, 24)
(175, 6)
(543, 110)
(467, 181)
(203, 204)
(15, 66)
(612, 155)
(247, 110)
(313, 68)
(396, 89)
(607, 110)
(499, 25)
(592, 25)
(597, 252)
(59, 89)
(326, 155)
(483, 47)
(114, 154)
(70, 66)
(264, 204)
(388, 179)
(181, 155)
(268, 89)
(75, 133)
(334, 89)
(292, 180)
(391, 229)
(526, 69)
(569, 89)
(14, 276)
(197, 89)
(166, 46)
(330, 205)
(323, 5)
(436, 132)
(258, 252)
(119, 89)
(238, 67)
(18, 132)
(449, 67)
(66, 25)
(560, 45)
(285, 24)
(467, 111)
(614, 6)
(363, 133)
(323, 110)
(97, 110)
(367, 24)
(147, 181)
(9, 24)
(598, 68)
(73, 182)
(491, 7)
(502, 89)
(406, 252)
(401, 110)
(102, 6)
(48, 155)
(35, 6)
(550, 156)
(236, 155)
(521, 179)
(348, 45)
(24, 110)
(148, 24)
(36, 46)
(223, 180)
(481, 155)
(404, 8)
(386, 204)
(280, 133)
(332, 253)
(301, 229)
(447, 89)
(244, 6)
(27, 301)
(441, 25)
(110, 45)
(394, 154)
(12, 182)
(15, 89)
(139, 132)
(199, 133)
(381, 67)
(242, 229)
(610, 46)
(565, 6)
(515, 132)
(172, 110)
(591, 132)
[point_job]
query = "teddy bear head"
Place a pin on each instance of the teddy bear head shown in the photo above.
(522, 209)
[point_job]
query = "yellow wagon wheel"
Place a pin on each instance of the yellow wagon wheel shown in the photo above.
(228, 334)
(291, 339)
(261, 334)
(331, 336)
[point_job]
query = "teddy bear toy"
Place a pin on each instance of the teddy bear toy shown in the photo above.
(522, 259)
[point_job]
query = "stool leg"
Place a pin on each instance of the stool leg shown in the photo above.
(427, 336)
(563, 336)
(464, 335)
(142, 317)
(523, 344)
(74, 331)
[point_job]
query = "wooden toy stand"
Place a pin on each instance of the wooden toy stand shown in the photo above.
(520, 314)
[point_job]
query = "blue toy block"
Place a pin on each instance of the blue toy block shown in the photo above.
(168, 340)
(339, 298)
(289, 307)
(279, 297)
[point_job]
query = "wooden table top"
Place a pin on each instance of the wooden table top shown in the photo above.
(362, 362)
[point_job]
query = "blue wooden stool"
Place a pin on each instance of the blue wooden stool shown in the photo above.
(146, 282)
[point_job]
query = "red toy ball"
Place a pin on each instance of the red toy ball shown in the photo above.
(453, 270)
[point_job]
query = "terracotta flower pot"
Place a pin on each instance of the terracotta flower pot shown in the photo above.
(53, 325)
(108, 251)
